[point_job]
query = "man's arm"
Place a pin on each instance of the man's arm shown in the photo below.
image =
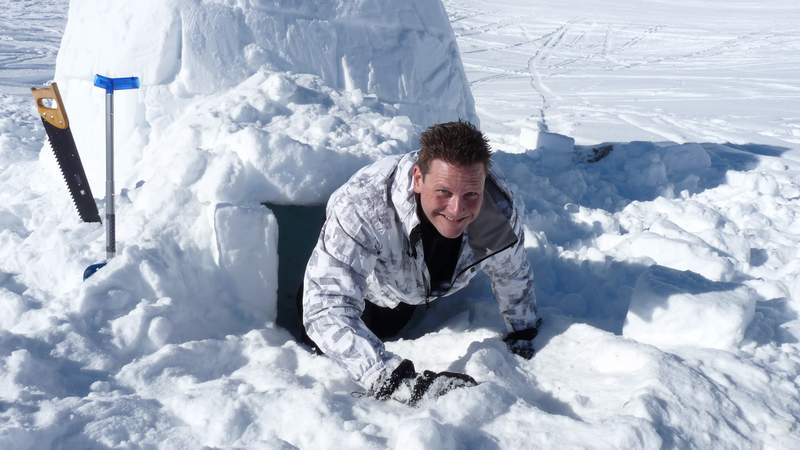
(333, 301)
(512, 281)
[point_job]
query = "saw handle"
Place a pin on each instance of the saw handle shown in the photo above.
(56, 117)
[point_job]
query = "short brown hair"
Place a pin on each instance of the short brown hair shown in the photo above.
(459, 143)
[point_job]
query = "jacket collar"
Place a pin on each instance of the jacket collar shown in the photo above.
(402, 193)
(490, 232)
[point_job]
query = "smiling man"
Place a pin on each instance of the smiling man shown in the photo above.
(405, 231)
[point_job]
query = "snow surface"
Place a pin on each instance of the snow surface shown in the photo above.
(655, 145)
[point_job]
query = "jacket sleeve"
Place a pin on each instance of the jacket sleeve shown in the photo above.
(333, 301)
(512, 280)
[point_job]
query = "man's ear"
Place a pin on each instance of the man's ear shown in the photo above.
(416, 176)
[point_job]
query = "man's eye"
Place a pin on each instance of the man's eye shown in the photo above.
(472, 195)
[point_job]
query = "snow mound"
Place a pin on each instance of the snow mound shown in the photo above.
(662, 400)
(275, 138)
(671, 308)
(198, 249)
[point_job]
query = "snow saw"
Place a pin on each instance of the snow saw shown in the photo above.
(56, 124)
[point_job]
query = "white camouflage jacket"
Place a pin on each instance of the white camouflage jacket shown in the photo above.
(370, 248)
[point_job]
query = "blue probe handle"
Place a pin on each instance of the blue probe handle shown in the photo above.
(116, 84)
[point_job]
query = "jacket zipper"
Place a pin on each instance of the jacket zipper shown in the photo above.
(413, 252)
(415, 235)
(453, 281)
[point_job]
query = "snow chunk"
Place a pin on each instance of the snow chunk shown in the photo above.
(671, 308)
(686, 158)
(554, 151)
(247, 249)
(143, 326)
(219, 388)
(12, 306)
(423, 433)
(679, 253)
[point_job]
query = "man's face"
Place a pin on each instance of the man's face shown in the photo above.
(451, 195)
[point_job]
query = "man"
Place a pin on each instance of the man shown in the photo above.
(407, 230)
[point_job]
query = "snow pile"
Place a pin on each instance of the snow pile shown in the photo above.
(670, 308)
(659, 399)
(272, 138)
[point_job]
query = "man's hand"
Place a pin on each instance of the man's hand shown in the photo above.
(407, 386)
(520, 342)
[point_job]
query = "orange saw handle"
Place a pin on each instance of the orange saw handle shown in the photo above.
(55, 116)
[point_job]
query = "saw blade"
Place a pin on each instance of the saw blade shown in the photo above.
(54, 117)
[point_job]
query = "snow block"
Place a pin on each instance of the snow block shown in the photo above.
(668, 246)
(672, 308)
(686, 158)
(536, 140)
(555, 142)
(552, 150)
(247, 251)
(528, 137)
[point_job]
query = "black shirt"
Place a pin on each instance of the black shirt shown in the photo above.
(441, 253)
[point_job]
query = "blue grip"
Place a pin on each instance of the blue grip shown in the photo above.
(116, 84)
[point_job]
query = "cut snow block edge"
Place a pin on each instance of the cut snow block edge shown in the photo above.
(535, 139)
(555, 142)
(672, 308)
(551, 149)
(247, 252)
(794, 293)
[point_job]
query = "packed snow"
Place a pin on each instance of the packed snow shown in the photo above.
(656, 149)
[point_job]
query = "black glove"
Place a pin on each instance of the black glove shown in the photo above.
(520, 342)
(407, 386)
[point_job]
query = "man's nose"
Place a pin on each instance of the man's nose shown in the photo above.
(455, 207)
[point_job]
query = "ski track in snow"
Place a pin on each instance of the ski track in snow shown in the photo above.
(589, 56)
(667, 272)
(30, 32)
